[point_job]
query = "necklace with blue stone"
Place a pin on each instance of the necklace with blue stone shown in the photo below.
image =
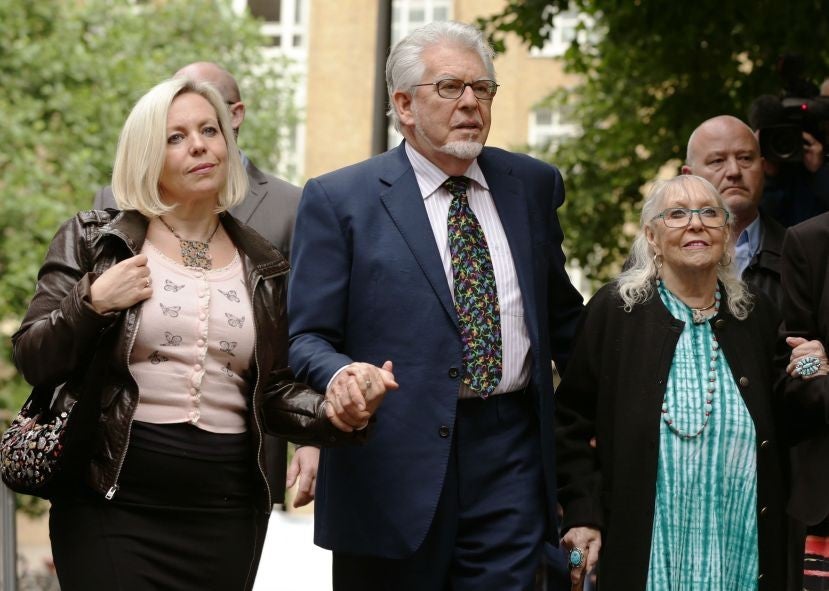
(713, 363)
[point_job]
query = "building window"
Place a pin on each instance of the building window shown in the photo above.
(284, 25)
(408, 15)
(268, 10)
(567, 26)
(547, 128)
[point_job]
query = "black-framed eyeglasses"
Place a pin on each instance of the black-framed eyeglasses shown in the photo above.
(452, 88)
(680, 217)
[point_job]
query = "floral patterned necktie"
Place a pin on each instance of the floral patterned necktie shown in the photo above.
(476, 295)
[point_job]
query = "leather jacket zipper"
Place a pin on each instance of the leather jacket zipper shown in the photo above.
(259, 429)
(115, 486)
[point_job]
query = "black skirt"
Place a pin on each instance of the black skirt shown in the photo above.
(183, 518)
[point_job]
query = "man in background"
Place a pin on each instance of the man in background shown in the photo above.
(724, 151)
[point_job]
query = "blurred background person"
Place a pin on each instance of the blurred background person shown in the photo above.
(672, 375)
(792, 130)
(806, 316)
(269, 207)
(181, 310)
(724, 151)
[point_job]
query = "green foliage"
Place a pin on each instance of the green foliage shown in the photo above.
(650, 75)
(70, 71)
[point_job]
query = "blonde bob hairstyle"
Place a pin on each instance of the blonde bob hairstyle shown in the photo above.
(142, 149)
(636, 284)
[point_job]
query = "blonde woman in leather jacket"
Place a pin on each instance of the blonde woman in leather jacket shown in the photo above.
(166, 321)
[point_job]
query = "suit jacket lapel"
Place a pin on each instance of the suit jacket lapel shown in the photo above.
(257, 190)
(404, 204)
(511, 202)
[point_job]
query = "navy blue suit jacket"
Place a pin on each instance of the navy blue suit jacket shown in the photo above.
(368, 285)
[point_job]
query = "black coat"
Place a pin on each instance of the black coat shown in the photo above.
(806, 314)
(613, 390)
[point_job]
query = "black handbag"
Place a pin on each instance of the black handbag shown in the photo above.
(33, 449)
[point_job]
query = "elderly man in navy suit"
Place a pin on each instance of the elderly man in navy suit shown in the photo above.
(439, 260)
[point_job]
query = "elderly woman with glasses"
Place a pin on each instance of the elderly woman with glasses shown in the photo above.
(670, 471)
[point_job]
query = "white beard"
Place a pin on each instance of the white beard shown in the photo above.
(463, 150)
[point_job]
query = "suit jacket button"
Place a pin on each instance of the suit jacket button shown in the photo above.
(744, 381)
(719, 323)
(443, 431)
(764, 444)
(453, 372)
(764, 511)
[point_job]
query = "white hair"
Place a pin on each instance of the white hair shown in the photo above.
(636, 283)
(405, 66)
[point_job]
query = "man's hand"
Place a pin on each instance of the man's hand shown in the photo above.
(356, 392)
(122, 285)
(303, 469)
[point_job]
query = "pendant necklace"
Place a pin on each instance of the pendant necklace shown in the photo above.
(697, 314)
(194, 253)
(711, 371)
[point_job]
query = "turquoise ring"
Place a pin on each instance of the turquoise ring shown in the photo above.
(807, 366)
(576, 558)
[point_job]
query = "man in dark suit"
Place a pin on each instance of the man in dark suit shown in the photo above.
(806, 316)
(270, 209)
(724, 151)
(460, 286)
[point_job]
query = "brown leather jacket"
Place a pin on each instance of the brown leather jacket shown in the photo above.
(64, 343)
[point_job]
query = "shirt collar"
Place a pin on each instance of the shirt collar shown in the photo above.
(751, 236)
(430, 177)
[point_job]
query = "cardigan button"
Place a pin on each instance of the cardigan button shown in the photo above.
(443, 431)
(744, 381)
(764, 511)
(719, 323)
(760, 577)
(764, 444)
(453, 372)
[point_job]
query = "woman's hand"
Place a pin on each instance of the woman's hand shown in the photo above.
(123, 285)
(803, 357)
(588, 541)
(356, 392)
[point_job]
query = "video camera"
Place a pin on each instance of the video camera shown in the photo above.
(782, 122)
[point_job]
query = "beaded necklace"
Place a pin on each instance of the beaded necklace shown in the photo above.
(713, 362)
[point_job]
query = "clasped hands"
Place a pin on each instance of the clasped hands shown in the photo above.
(355, 393)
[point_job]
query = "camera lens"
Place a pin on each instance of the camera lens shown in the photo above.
(782, 143)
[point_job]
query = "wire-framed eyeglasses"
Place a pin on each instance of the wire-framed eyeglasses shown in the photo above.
(452, 88)
(680, 217)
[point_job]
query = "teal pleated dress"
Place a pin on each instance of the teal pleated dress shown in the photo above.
(705, 520)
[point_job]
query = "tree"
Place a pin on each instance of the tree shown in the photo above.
(650, 73)
(70, 72)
